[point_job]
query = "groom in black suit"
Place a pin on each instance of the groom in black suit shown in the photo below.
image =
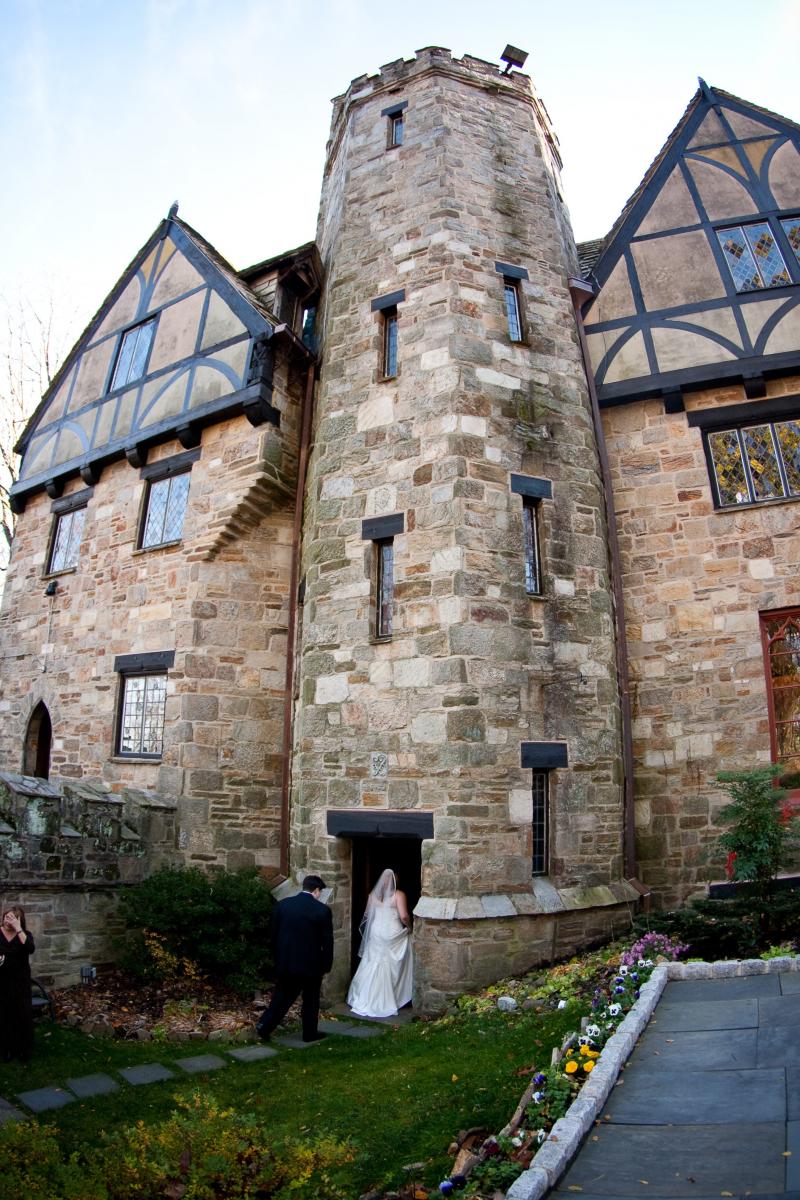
(302, 945)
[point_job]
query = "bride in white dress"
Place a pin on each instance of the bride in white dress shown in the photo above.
(382, 983)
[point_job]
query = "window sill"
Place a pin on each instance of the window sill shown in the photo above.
(151, 760)
(750, 504)
(59, 574)
(376, 640)
(158, 546)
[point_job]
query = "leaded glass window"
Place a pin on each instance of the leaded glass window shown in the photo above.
(67, 541)
(141, 730)
(781, 639)
(757, 463)
(540, 823)
(384, 590)
(512, 310)
(166, 509)
(753, 257)
(133, 352)
(791, 228)
(390, 343)
(530, 532)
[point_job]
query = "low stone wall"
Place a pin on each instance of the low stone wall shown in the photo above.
(65, 852)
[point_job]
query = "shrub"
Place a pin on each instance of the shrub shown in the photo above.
(760, 830)
(738, 928)
(33, 1166)
(182, 919)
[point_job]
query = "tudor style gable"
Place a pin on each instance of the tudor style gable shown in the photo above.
(699, 281)
(179, 343)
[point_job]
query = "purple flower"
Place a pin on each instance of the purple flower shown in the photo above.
(540, 1078)
(445, 1187)
(618, 991)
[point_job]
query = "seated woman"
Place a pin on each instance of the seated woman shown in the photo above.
(16, 1014)
(382, 983)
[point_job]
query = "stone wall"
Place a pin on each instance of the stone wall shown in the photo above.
(433, 719)
(64, 854)
(218, 599)
(695, 581)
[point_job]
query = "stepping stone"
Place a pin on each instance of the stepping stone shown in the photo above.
(201, 1062)
(295, 1042)
(92, 1085)
(253, 1053)
(702, 1050)
(362, 1031)
(334, 1026)
(706, 1014)
(681, 1161)
(43, 1099)
(146, 1073)
(738, 987)
(9, 1113)
(651, 1096)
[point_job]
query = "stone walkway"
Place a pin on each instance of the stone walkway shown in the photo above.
(44, 1099)
(709, 1103)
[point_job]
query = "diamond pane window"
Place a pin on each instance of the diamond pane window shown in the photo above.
(754, 259)
(780, 634)
(757, 463)
(144, 700)
(67, 541)
(166, 509)
(792, 230)
(133, 352)
(540, 823)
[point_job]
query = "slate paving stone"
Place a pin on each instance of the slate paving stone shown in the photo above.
(679, 1161)
(201, 1062)
(702, 1050)
(9, 1113)
(250, 1054)
(790, 982)
(672, 1097)
(782, 1010)
(43, 1099)
(146, 1073)
(778, 1047)
(793, 1093)
(86, 1086)
(687, 991)
(362, 1031)
(334, 1026)
(295, 1042)
(707, 1014)
(793, 1161)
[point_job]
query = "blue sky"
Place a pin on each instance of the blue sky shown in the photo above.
(109, 111)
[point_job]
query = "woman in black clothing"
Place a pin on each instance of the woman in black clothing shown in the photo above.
(16, 1014)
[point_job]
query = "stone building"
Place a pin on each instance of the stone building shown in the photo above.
(347, 561)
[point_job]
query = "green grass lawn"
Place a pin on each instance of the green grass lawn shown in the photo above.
(400, 1098)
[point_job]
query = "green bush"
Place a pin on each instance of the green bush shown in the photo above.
(738, 928)
(759, 839)
(202, 1152)
(182, 918)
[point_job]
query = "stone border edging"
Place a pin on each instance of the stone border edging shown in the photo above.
(565, 1138)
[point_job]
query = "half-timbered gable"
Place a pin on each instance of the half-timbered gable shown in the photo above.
(699, 281)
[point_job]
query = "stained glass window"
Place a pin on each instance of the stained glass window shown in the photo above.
(133, 352)
(166, 509)
(753, 257)
(756, 463)
(512, 311)
(791, 228)
(781, 638)
(540, 823)
(144, 699)
(67, 541)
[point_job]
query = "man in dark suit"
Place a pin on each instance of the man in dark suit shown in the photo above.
(302, 944)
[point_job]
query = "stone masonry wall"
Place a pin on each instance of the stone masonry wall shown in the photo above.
(218, 599)
(695, 581)
(475, 666)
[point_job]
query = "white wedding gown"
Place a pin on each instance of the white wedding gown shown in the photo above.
(382, 983)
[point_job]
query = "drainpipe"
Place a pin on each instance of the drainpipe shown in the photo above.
(291, 631)
(580, 292)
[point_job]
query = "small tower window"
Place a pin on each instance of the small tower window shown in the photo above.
(384, 588)
(511, 288)
(389, 343)
(395, 117)
(540, 824)
(530, 532)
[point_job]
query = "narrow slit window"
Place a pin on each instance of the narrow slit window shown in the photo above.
(384, 587)
(540, 824)
(511, 289)
(530, 531)
(396, 129)
(133, 354)
(389, 364)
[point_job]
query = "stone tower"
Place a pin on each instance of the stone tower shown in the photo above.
(458, 712)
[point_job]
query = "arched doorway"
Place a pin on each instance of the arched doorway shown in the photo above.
(38, 739)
